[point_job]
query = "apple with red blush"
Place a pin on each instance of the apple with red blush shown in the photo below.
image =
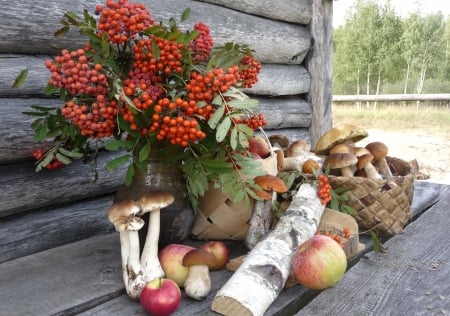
(171, 259)
(160, 297)
(319, 263)
(220, 252)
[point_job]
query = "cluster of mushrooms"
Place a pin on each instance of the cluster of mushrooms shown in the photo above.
(337, 151)
(140, 268)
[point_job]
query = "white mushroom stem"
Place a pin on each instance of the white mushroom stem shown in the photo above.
(198, 282)
(372, 172)
(124, 252)
(383, 167)
(346, 172)
(136, 279)
(149, 259)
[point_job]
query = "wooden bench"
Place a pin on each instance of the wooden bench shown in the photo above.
(83, 278)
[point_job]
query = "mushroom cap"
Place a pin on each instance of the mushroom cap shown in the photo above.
(269, 182)
(364, 160)
(359, 151)
(339, 134)
(309, 165)
(279, 139)
(153, 201)
(122, 209)
(298, 148)
(340, 160)
(129, 223)
(341, 148)
(378, 149)
(198, 256)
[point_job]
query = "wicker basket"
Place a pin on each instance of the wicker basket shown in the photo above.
(384, 205)
(219, 218)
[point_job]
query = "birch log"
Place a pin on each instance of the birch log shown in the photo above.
(262, 275)
(259, 224)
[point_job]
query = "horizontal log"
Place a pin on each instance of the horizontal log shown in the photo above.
(23, 189)
(37, 231)
(16, 135)
(391, 97)
(274, 79)
(34, 35)
(296, 11)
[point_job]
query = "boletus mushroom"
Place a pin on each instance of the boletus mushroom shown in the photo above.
(341, 161)
(198, 282)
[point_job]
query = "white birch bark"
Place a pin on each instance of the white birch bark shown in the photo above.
(259, 224)
(262, 275)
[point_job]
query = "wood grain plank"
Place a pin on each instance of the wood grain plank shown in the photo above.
(41, 230)
(295, 11)
(226, 25)
(63, 278)
(411, 279)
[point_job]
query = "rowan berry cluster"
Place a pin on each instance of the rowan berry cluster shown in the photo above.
(324, 191)
(250, 71)
(77, 73)
(336, 236)
(38, 154)
(202, 45)
(122, 20)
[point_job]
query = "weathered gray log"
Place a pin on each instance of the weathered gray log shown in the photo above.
(296, 11)
(34, 34)
(23, 189)
(37, 231)
(263, 274)
(16, 135)
(274, 79)
(319, 62)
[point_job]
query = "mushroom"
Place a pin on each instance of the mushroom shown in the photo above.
(341, 148)
(269, 183)
(310, 165)
(341, 161)
(379, 151)
(153, 202)
(298, 148)
(123, 215)
(343, 133)
(198, 282)
(365, 163)
(279, 140)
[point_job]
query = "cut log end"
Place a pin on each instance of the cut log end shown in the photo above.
(225, 305)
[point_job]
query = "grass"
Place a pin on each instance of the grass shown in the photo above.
(429, 119)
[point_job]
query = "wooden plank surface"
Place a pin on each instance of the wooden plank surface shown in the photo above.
(296, 11)
(411, 279)
(34, 35)
(63, 279)
(41, 230)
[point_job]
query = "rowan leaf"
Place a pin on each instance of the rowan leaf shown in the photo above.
(117, 162)
(20, 79)
(222, 129)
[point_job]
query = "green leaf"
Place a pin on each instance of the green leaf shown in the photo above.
(215, 118)
(375, 241)
(244, 104)
(70, 153)
(118, 144)
(62, 31)
(65, 160)
(117, 162)
(155, 50)
(185, 15)
(222, 129)
(20, 79)
(144, 152)
(129, 175)
(41, 132)
(234, 138)
(44, 162)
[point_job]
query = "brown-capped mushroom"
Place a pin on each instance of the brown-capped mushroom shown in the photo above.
(152, 203)
(298, 148)
(198, 282)
(341, 161)
(123, 215)
(271, 183)
(310, 165)
(365, 163)
(379, 151)
(342, 133)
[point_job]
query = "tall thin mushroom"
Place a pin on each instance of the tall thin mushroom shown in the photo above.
(153, 202)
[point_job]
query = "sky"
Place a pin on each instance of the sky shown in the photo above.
(402, 7)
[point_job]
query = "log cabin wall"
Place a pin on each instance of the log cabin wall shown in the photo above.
(292, 39)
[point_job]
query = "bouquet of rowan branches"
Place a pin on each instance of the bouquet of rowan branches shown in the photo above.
(140, 86)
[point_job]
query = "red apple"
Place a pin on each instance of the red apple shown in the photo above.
(258, 147)
(160, 297)
(220, 253)
(171, 259)
(319, 263)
